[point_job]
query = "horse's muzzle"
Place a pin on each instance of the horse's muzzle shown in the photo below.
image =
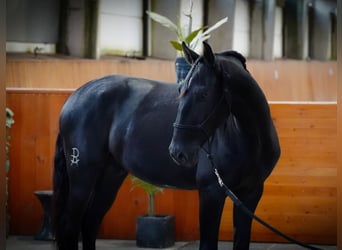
(181, 157)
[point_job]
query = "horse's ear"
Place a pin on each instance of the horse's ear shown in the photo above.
(190, 55)
(208, 54)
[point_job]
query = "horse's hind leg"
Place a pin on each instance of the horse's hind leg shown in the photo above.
(242, 222)
(82, 182)
(104, 194)
(80, 175)
(71, 220)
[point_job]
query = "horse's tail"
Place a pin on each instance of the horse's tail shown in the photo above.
(60, 189)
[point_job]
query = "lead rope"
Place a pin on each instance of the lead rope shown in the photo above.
(237, 202)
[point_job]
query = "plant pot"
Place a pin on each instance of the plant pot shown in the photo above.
(182, 69)
(155, 231)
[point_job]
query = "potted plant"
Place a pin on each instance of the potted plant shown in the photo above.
(9, 123)
(193, 38)
(153, 230)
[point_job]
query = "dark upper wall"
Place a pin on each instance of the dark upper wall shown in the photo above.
(307, 29)
(32, 21)
(323, 36)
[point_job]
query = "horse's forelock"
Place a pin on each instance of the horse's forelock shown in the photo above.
(194, 66)
(188, 77)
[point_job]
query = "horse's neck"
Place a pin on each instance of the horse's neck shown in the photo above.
(249, 105)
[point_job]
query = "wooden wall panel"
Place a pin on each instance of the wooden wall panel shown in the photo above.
(299, 199)
(32, 151)
(283, 80)
(300, 195)
(339, 161)
(293, 80)
(70, 74)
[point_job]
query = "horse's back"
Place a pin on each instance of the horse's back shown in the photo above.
(90, 112)
(100, 95)
(98, 101)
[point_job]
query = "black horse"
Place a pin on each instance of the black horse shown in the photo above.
(118, 125)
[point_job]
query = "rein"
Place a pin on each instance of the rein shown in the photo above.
(237, 202)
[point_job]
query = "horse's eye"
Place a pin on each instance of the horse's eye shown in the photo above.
(202, 96)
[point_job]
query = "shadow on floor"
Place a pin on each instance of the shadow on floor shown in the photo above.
(15, 242)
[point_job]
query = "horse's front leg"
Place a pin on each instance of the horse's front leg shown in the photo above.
(242, 222)
(211, 205)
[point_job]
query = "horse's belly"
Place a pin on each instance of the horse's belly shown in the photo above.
(153, 164)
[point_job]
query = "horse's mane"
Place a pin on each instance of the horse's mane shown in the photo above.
(237, 55)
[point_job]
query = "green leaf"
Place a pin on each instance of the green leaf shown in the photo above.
(176, 45)
(194, 39)
(150, 189)
(9, 118)
(163, 21)
(192, 35)
(200, 37)
(198, 40)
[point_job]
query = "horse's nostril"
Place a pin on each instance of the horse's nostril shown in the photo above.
(181, 157)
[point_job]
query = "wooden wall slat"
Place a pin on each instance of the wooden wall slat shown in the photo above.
(339, 145)
(294, 80)
(281, 80)
(32, 150)
(71, 74)
(299, 198)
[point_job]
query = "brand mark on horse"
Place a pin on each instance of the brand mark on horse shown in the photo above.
(74, 156)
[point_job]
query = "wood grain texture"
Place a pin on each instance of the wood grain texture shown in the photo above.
(283, 80)
(300, 196)
(70, 74)
(339, 137)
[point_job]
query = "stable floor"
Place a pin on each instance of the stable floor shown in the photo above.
(15, 242)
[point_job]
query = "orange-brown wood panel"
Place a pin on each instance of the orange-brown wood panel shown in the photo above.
(281, 80)
(293, 80)
(299, 198)
(70, 74)
(339, 147)
(300, 194)
(32, 150)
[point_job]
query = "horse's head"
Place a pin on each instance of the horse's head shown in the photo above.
(202, 107)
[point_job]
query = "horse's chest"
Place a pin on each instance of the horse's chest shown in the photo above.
(233, 159)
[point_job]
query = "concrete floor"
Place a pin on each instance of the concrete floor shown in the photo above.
(15, 242)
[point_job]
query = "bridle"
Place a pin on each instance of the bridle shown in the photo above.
(201, 126)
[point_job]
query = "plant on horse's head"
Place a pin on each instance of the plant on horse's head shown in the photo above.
(185, 34)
